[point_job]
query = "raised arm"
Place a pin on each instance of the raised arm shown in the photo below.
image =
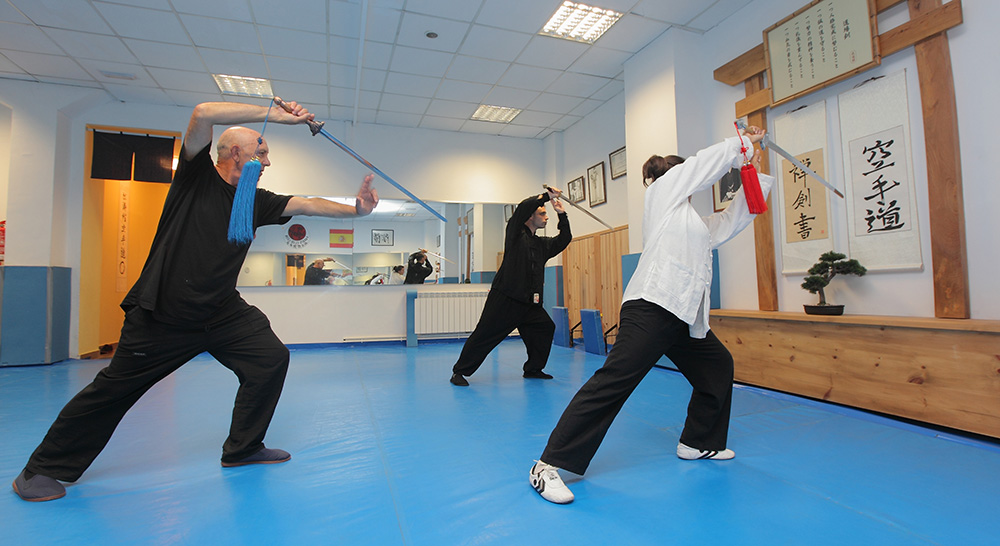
(208, 114)
(365, 202)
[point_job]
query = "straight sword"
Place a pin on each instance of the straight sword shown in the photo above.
(317, 128)
(583, 210)
(424, 250)
(768, 143)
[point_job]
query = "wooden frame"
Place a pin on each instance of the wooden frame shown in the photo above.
(725, 189)
(575, 191)
(616, 163)
(819, 67)
(382, 237)
(596, 186)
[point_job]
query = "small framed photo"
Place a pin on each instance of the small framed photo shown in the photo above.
(616, 162)
(508, 211)
(574, 190)
(596, 185)
(724, 190)
(382, 237)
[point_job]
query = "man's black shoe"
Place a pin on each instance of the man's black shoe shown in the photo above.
(537, 375)
(458, 380)
(38, 488)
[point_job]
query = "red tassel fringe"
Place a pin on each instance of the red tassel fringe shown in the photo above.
(751, 190)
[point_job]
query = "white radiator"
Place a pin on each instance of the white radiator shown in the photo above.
(448, 312)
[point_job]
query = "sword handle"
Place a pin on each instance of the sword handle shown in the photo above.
(314, 126)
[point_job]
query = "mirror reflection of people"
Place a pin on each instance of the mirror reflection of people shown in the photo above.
(315, 274)
(397, 276)
(417, 269)
(515, 299)
(185, 303)
(664, 312)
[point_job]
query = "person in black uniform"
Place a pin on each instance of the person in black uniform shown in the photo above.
(417, 269)
(315, 274)
(515, 299)
(185, 303)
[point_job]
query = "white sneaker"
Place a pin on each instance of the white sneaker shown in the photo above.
(545, 479)
(692, 454)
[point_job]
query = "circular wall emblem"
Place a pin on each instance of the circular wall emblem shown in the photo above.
(296, 236)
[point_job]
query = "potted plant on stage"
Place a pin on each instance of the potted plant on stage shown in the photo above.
(830, 264)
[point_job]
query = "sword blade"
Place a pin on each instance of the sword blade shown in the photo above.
(781, 151)
(583, 210)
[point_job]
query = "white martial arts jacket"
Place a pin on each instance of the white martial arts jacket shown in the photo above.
(675, 268)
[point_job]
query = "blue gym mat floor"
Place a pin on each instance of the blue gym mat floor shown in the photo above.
(385, 451)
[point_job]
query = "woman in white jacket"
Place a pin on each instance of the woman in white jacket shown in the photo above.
(664, 312)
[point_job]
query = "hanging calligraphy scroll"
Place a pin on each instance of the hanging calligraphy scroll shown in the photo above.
(881, 202)
(803, 202)
(822, 43)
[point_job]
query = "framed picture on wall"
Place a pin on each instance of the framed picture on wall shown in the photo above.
(508, 211)
(382, 237)
(596, 185)
(616, 162)
(574, 190)
(724, 190)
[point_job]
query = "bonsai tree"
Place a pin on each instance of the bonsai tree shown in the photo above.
(830, 264)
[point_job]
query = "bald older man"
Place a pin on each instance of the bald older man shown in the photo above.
(185, 303)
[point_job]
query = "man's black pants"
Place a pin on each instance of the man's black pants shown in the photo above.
(647, 332)
(150, 350)
(501, 315)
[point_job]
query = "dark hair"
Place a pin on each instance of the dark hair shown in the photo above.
(656, 166)
(398, 269)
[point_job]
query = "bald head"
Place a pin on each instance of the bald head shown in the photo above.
(242, 137)
(236, 146)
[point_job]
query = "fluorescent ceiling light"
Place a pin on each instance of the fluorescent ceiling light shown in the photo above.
(496, 114)
(243, 86)
(580, 22)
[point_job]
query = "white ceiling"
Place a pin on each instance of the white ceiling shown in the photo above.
(365, 61)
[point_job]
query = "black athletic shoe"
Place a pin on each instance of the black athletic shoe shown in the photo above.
(38, 488)
(264, 456)
(537, 375)
(458, 380)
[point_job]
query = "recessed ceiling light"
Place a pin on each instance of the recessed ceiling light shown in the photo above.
(580, 22)
(431, 34)
(243, 86)
(118, 75)
(496, 114)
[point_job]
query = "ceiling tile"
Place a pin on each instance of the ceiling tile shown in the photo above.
(471, 69)
(556, 104)
(381, 24)
(373, 80)
(442, 124)
(291, 70)
(222, 9)
(631, 33)
(718, 12)
(462, 91)
(520, 15)
(26, 38)
(483, 127)
(566, 122)
(234, 63)
(303, 15)
(679, 12)
(537, 119)
(341, 96)
(222, 34)
(451, 109)
(494, 43)
(97, 69)
(131, 93)
(420, 61)
(344, 50)
(521, 131)
(409, 84)
(377, 55)
(146, 24)
(183, 80)
(398, 119)
(577, 85)
(11, 15)
(598, 61)
(345, 19)
(551, 52)
(413, 30)
(529, 77)
(342, 75)
(403, 103)
(187, 98)
(301, 92)
(611, 89)
(461, 10)
(55, 66)
(92, 46)
(510, 97)
(8, 67)
(586, 107)
(369, 100)
(63, 14)
(164, 55)
(283, 42)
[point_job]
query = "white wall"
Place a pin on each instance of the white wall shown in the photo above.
(672, 80)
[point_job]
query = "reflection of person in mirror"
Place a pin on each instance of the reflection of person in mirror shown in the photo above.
(417, 269)
(315, 274)
(515, 299)
(665, 313)
(397, 276)
(185, 303)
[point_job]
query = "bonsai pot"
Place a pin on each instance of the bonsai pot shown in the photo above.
(824, 309)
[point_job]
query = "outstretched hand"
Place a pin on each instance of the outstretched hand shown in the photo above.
(367, 197)
(290, 112)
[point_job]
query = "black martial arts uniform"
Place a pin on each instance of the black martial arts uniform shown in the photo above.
(515, 298)
(184, 303)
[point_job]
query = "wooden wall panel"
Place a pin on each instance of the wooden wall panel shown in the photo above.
(931, 370)
(592, 274)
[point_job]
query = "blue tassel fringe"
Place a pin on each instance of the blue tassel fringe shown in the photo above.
(241, 219)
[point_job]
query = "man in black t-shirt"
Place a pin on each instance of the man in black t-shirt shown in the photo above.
(417, 269)
(515, 298)
(185, 303)
(315, 274)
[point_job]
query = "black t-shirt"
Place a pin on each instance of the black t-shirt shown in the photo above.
(190, 275)
(522, 272)
(315, 275)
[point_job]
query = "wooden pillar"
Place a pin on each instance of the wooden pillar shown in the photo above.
(944, 170)
(763, 224)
